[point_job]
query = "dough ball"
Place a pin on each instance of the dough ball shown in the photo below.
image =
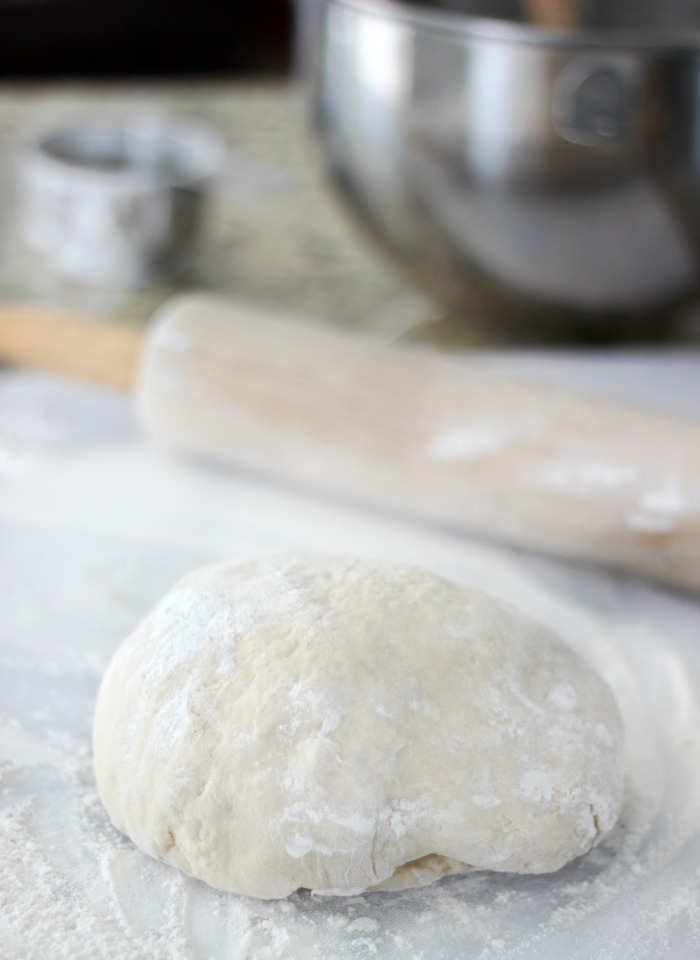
(339, 724)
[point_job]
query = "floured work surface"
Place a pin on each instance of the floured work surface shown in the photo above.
(95, 526)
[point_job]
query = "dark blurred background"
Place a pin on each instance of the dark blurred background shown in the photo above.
(41, 39)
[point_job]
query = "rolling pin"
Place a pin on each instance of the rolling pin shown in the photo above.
(534, 465)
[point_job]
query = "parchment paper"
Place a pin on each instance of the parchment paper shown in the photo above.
(95, 525)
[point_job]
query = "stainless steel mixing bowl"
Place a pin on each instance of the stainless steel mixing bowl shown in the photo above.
(547, 155)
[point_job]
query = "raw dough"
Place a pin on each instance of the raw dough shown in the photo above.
(339, 724)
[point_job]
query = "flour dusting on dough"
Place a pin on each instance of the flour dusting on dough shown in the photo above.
(324, 723)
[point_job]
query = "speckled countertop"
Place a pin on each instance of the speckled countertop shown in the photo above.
(277, 235)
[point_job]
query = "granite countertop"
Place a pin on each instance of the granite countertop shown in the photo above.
(276, 234)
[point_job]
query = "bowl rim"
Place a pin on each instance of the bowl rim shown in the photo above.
(436, 20)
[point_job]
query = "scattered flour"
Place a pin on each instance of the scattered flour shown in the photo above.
(536, 785)
(468, 444)
(71, 886)
(563, 695)
(659, 510)
(583, 475)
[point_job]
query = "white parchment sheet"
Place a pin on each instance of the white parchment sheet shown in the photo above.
(95, 525)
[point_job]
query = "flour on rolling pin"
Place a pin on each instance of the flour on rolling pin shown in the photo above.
(540, 467)
(399, 427)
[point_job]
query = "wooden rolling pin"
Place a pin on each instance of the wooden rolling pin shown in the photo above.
(442, 438)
